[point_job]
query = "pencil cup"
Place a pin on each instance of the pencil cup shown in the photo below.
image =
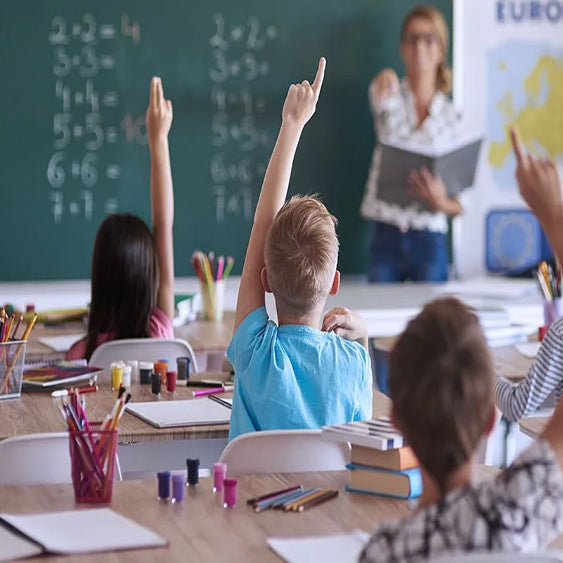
(12, 356)
(213, 298)
(92, 461)
(552, 310)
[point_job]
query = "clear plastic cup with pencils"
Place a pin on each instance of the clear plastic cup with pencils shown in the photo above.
(12, 356)
(212, 274)
(92, 457)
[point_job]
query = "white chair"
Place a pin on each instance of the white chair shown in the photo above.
(144, 350)
(35, 458)
(284, 451)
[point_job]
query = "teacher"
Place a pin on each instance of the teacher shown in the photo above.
(410, 243)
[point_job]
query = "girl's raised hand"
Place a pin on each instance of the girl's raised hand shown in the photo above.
(159, 112)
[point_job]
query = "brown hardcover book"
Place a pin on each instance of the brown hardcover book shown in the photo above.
(397, 459)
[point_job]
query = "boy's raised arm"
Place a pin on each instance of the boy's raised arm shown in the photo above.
(299, 106)
(159, 120)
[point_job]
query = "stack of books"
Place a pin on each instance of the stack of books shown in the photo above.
(381, 461)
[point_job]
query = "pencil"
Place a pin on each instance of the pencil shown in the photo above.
(295, 503)
(327, 495)
(267, 496)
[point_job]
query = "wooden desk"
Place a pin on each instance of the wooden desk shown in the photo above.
(207, 338)
(508, 361)
(200, 530)
(533, 426)
(36, 412)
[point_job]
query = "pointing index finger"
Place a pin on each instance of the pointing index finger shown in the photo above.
(516, 145)
(153, 90)
(319, 77)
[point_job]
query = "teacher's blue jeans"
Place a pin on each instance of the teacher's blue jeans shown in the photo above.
(396, 256)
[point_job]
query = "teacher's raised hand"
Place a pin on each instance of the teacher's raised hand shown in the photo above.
(385, 84)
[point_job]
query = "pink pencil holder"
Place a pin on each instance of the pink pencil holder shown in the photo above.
(92, 461)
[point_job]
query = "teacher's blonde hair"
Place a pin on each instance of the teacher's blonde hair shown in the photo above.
(440, 29)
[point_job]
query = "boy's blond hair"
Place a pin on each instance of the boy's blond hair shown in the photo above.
(301, 254)
(441, 377)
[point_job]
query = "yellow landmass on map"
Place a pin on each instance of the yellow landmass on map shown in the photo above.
(538, 123)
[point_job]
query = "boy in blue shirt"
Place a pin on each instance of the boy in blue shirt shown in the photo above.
(308, 371)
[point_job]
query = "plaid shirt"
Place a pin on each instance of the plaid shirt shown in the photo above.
(395, 119)
(521, 510)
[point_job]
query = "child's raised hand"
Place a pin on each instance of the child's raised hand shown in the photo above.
(301, 99)
(345, 323)
(159, 112)
(540, 183)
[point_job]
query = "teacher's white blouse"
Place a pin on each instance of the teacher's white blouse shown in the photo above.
(395, 119)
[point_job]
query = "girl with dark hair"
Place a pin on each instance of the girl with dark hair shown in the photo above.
(132, 269)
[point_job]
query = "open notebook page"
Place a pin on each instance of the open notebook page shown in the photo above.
(84, 531)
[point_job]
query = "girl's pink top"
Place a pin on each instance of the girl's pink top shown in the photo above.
(160, 327)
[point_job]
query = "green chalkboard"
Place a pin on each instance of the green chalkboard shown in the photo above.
(75, 79)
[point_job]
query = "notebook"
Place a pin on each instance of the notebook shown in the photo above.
(60, 373)
(194, 412)
(63, 532)
(454, 163)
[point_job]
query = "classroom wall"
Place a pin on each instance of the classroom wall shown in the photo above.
(509, 71)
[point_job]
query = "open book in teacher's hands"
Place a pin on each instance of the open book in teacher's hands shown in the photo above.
(455, 162)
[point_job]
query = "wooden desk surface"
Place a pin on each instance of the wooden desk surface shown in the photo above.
(36, 412)
(533, 426)
(508, 361)
(200, 530)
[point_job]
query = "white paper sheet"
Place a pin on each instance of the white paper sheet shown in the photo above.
(344, 548)
(528, 349)
(61, 343)
(84, 531)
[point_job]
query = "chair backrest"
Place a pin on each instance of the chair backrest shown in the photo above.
(284, 451)
(144, 350)
(35, 459)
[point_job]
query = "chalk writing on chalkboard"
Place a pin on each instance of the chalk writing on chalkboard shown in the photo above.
(82, 53)
(237, 52)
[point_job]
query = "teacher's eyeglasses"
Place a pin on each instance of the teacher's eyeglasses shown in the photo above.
(413, 38)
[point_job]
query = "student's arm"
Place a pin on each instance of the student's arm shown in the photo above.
(545, 374)
(347, 324)
(541, 186)
(298, 108)
(431, 189)
(159, 120)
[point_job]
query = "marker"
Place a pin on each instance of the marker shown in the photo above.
(212, 390)
(66, 392)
